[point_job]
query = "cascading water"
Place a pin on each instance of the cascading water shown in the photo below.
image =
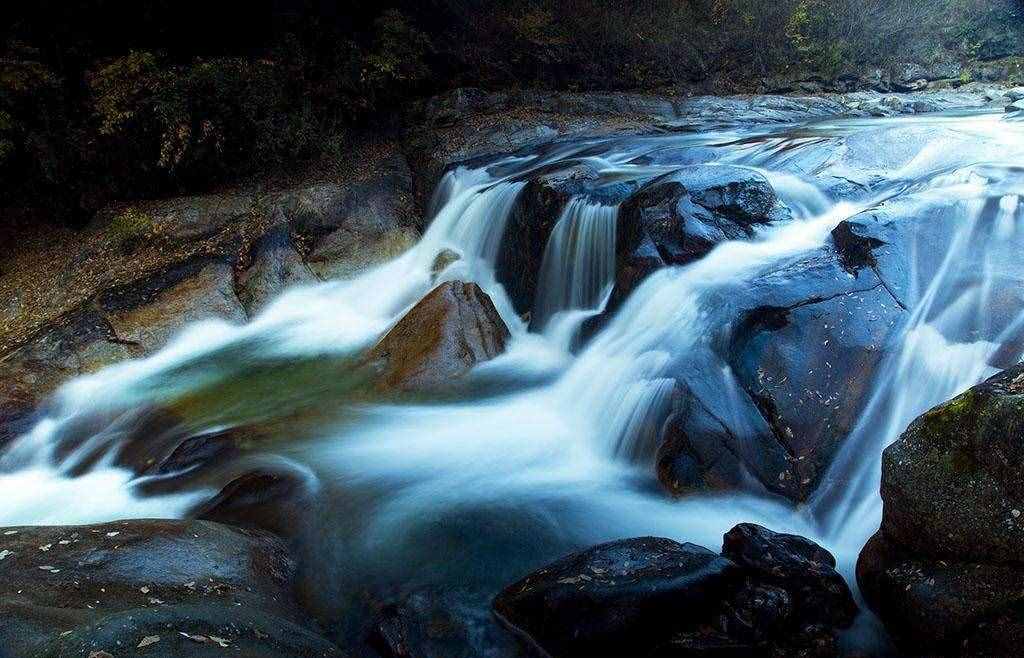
(505, 481)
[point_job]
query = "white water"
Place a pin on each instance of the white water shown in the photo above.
(574, 452)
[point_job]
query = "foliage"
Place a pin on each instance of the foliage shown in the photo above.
(91, 112)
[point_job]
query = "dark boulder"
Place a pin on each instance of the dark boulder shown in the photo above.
(796, 350)
(153, 588)
(681, 216)
(768, 594)
(803, 569)
(433, 622)
(441, 339)
(622, 598)
(943, 572)
(689, 211)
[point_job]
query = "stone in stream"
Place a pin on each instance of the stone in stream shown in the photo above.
(767, 593)
(441, 339)
(679, 217)
(174, 589)
(797, 363)
(944, 572)
(537, 210)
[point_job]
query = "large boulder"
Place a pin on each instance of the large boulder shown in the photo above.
(151, 588)
(798, 351)
(679, 217)
(943, 572)
(687, 212)
(442, 338)
(767, 594)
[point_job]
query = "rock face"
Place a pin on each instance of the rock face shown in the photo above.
(148, 316)
(159, 588)
(767, 593)
(448, 332)
(943, 572)
(82, 303)
(275, 265)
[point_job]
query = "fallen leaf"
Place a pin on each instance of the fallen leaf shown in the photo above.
(219, 640)
(148, 640)
(4, 554)
(144, 590)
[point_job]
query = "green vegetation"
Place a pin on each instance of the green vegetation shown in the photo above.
(129, 227)
(106, 100)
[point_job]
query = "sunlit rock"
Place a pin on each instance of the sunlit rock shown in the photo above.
(451, 330)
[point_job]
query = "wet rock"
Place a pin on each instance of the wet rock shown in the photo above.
(943, 571)
(622, 598)
(766, 595)
(148, 314)
(275, 266)
(442, 338)
(17, 411)
(433, 622)
(1015, 107)
(689, 211)
(679, 217)
(855, 251)
(760, 410)
(198, 587)
(538, 208)
(801, 568)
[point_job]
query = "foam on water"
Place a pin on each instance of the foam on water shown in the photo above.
(571, 446)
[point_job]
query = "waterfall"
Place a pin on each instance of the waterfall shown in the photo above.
(578, 269)
(562, 456)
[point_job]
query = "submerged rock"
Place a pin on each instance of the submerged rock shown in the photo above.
(943, 572)
(442, 338)
(159, 588)
(767, 594)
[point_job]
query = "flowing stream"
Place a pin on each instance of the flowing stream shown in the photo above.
(553, 449)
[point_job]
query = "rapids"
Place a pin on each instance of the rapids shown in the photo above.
(553, 449)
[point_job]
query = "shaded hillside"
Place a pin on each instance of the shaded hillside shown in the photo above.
(108, 99)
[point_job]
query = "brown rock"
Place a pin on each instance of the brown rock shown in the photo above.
(451, 330)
